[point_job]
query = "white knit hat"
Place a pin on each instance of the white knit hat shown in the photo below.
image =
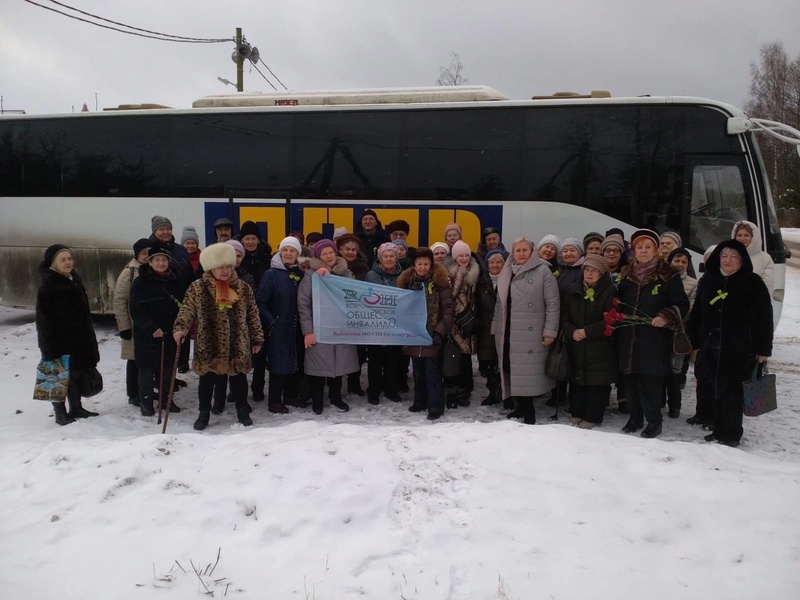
(217, 255)
(290, 242)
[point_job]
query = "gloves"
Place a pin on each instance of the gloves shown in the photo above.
(126, 334)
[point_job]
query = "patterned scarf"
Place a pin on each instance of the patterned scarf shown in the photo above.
(224, 296)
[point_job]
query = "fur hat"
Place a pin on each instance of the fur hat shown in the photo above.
(290, 242)
(453, 226)
(574, 242)
(313, 237)
(386, 247)
(53, 251)
(423, 252)
(614, 240)
(339, 232)
(142, 244)
(460, 248)
(495, 252)
(249, 228)
(551, 239)
(189, 233)
(592, 236)
(158, 249)
(436, 245)
(488, 231)
(321, 245)
(217, 255)
(645, 233)
(398, 225)
(596, 262)
(237, 246)
(347, 238)
(159, 221)
(223, 222)
(674, 236)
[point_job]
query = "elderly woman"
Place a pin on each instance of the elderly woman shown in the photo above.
(592, 243)
(64, 326)
(667, 242)
(122, 313)
(349, 247)
(649, 288)
(486, 300)
(731, 331)
(229, 331)
(452, 234)
(324, 363)
(591, 353)
(277, 305)
(464, 273)
(750, 236)
(431, 278)
(383, 361)
(548, 251)
(155, 300)
(525, 323)
(613, 251)
(440, 252)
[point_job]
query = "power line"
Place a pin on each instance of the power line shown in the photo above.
(154, 37)
(262, 75)
(98, 17)
(275, 76)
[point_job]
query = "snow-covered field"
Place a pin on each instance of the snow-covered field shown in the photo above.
(379, 503)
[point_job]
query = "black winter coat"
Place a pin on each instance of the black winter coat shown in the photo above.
(64, 321)
(179, 262)
(370, 242)
(256, 262)
(569, 277)
(486, 299)
(155, 301)
(593, 361)
(644, 349)
(734, 312)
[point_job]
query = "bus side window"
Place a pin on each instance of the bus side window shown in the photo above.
(718, 201)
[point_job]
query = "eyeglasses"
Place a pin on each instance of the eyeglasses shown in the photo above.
(611, 251)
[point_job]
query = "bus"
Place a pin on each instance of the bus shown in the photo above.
(314, 161)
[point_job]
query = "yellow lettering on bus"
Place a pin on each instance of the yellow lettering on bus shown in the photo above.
(273, 216)
(439, 218)
(410, 215)
(314, 217)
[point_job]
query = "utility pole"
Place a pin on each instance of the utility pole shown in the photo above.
(239, 62)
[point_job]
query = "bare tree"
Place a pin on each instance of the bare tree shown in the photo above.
(453, 74)
(775, 95)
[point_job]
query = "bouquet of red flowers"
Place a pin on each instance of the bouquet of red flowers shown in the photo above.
(615, 319)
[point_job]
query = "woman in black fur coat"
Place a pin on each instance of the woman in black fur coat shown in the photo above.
(64, 326)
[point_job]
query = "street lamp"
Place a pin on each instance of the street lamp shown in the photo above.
(225, 81)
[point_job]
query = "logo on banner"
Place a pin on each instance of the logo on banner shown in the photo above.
(347, 311)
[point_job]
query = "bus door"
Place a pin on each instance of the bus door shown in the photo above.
(717, 192)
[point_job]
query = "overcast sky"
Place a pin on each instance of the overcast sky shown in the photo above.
(49, 63)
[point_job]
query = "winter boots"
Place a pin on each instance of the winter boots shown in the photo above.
(632, 426)
(76, 410)
(652, 430)
(60, 412)
(146, 406)
(244, 416)
(525, 410)
(202, 420)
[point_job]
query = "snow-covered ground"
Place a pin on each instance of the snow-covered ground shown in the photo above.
(379, 503)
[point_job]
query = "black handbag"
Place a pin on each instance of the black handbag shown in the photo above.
(90, 383)
(681, 344)
(760, 392)
(451, 359)
(467, 321)
(557, 364)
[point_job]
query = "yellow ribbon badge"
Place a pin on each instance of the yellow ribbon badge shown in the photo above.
(720, 296)
(589, 295)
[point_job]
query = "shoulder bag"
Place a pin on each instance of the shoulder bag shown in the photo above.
(557, 364)
(467, 321)
(52, 379)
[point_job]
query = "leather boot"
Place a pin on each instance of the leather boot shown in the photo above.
(518, 412)
(244, 417)
(60, 411)
(652, 430)
(146, 406)
(76, 410)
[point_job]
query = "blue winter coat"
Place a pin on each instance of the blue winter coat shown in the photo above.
(377, 275)
(277, 304)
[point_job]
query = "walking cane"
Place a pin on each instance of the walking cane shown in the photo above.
(161, 382)
(172, 385)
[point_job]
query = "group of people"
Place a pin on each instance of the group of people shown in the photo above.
(616, 304)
